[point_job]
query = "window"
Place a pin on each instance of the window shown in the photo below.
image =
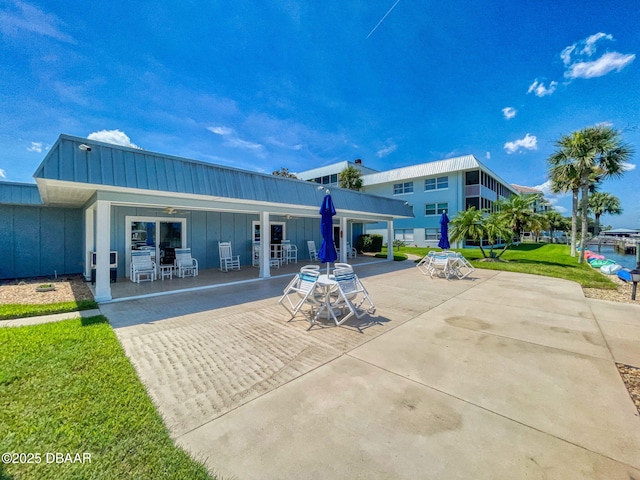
(406, 235)
(435, 208)
(472, 177)
(436, 183)
(400, 188)
(432, 234)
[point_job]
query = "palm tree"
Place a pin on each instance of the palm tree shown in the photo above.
(582, 154)
(556, 222)
(468, 224)
(564, 178)
(517, 212)
(496, 228)
(602, 202)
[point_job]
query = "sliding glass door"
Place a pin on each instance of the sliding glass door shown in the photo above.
(159, 235)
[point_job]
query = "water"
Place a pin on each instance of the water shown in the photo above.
(627, 261)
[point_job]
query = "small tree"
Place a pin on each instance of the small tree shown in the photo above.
(284, 172)
(496, 228)
(468, 224)
(350, 178)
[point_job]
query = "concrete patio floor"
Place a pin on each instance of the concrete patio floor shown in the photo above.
(501, 375)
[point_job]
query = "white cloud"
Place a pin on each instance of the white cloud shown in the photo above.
(220, 130)
(577, 58)
(509, 112)
(529, 142)
(28, 18)
(540, 90)
(605, 64)
(232, 140)
(35, 147)
(487, 155)
(627, 167)
(115, 137)
(3, 173)
(383, 152)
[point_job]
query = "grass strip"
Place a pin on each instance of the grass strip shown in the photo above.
(68, 387)
(16, 310)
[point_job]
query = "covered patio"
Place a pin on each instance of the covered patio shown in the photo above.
(211, 278)
(132, 198)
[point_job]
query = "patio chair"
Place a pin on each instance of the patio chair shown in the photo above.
(439, 265)
(313, 253)
(459, 266)
(352, 296)
(185, 265)
(423, 264)
(338, 266)
(256, 254)
(303, 291)
(289, 252)
(142, 266)
(351, 252)
(228, 261)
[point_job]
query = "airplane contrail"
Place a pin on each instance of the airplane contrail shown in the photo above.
(382, 19)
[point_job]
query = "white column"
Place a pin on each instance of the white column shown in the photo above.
(343, 240)
(265, 245)
(89, 239)
(103, 246)
(390, 240)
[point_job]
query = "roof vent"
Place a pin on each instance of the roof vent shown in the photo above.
(358, 161)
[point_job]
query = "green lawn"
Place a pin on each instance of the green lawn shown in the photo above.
(535, 258)
(10, 311)
(68, 387)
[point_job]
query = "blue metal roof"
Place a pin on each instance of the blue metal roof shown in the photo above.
(130, 168)
(19, 193)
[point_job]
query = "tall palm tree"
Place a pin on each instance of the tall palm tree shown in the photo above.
(564, 178)
(603, 202)
(468, 224)
(591, 151)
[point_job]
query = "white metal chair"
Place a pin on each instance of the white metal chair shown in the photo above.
(185, 265)
(142, 266)
(351, 296)
(423, 264)
(289, 252)
(439, 265)
(458, 265)
(228, 261)
(256, 254)
(303, 291)
(351, 252)
(313, 253)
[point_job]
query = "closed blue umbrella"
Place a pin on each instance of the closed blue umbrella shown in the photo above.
(444, 232)
(327, 253)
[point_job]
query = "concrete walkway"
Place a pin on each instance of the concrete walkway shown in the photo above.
(501, 376)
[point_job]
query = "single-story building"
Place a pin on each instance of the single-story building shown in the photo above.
(92, 198)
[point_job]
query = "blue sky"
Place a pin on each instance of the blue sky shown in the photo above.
(264, 85)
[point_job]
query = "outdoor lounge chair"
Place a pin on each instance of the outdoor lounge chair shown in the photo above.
(303, 291)
(313, 253)
(351, 295)
(185, 265)
(228, 261)
(142, 266)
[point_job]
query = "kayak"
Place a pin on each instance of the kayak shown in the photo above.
(624, 274)
(594, 256)
(601, 263)
(611, 269)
